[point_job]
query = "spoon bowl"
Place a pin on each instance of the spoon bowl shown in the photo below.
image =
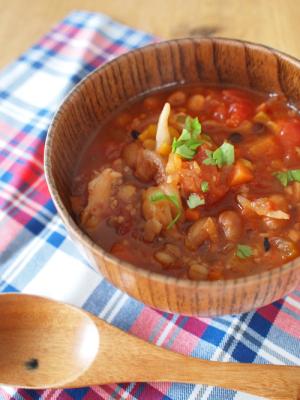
(43, 343)
(46, 344)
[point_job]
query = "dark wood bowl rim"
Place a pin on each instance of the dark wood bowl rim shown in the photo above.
(83, 237)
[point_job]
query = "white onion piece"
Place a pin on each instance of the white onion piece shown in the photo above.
(162, 133)
(261, 207)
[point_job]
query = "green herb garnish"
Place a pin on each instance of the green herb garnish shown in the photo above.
(158, 196)
(286, 177)
(195, 200)
(189, 140)
(193, 125)
(223, 155)
(243, 251)
(204, 186)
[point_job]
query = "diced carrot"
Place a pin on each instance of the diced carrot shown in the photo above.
(149, 144)
(240, 174)
(165, 149)
(192, 215)
(148, 133)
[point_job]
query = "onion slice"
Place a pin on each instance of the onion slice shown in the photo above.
(162, 133)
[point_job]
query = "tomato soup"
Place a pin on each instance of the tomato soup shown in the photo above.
(197, 182)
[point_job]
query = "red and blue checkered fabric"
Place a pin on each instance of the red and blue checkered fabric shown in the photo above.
(37, 256)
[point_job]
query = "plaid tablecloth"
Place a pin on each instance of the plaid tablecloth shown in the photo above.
(37, 256)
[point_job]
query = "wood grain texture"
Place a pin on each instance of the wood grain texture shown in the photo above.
(274, 23)
(155, 66)
(73, 348)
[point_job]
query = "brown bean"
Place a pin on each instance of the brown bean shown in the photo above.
(195, 103)
(130, 154)
(123, 119)
(177, 98)
(164, 258)
(152, 103)
(231, 224)
(204, 229)
(197, 272)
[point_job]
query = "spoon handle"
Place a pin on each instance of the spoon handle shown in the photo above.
(132, 360)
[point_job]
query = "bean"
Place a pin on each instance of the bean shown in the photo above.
(177, 98)
(195, 103)
(197, 272)
(151, 103)
(130, 154)
(231, 224)
(123, 119)
(164, 258)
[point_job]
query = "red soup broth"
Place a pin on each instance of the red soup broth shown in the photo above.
(197, 182)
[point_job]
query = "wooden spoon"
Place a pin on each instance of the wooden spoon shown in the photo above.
(47, 344)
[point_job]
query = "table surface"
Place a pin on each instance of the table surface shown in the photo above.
(271, 22)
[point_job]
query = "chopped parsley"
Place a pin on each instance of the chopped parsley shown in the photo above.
(195, 200)
(204, 186)
(189, 140)
(243, 251)
(286, 177)
(158, 196)
(223, 155)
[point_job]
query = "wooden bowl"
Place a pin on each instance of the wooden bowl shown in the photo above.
(104, 91)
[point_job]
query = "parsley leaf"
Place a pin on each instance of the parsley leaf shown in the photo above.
(195, 200)
(243, 251)
(193, 126)
(185, 151)
(286, 177)
(158, 196)
(223, 155)
(189, 140)
(204, 186)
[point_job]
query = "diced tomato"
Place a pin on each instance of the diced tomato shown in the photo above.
(241, 107)
(216, 178)
(239, 112)
(190, 179)
(290, 138)
(220, 112)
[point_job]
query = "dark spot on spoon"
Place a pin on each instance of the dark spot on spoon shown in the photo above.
(32, 364)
